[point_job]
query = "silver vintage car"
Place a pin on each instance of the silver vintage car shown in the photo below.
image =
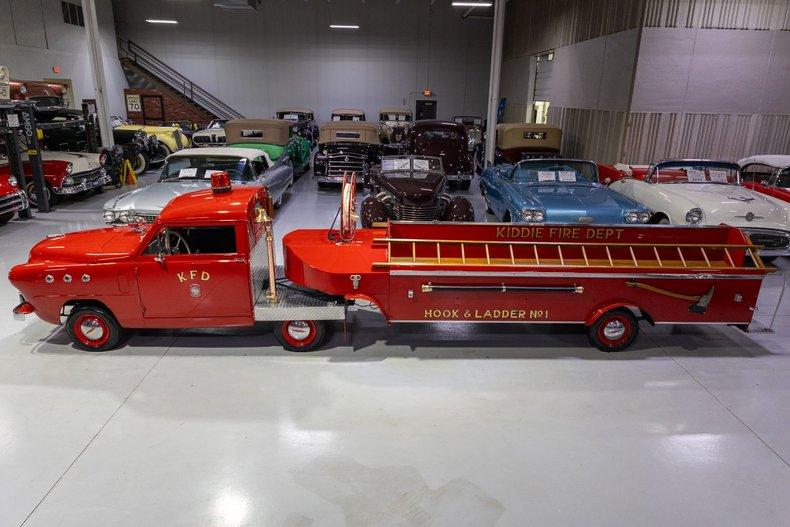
(191, 169)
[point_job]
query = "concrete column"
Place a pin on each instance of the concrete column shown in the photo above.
(97, 70)
(493, 80)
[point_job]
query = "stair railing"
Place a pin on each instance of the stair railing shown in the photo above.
(175, 80)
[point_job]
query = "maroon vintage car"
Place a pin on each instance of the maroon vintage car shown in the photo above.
(47, 97)
(446, 140)
(411, 188)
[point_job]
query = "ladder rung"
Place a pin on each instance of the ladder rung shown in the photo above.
(512, 256)
(463, 254)
(609, 255)
(413, 252)
(537, 259)
(488, 256)
(584, 253)
(705, 255)
(658, 258)
(438, 253)
(680, 253)
(729, 258)
(633, 256)
(559, 250)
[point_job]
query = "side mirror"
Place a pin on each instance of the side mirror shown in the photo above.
(160, 257)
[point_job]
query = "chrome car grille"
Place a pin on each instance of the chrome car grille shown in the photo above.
(88, 176)
(47, 102)
(338, 164)
(769, 240)
(179, 142)
(146, 217)
(11, 203)
(412, 212)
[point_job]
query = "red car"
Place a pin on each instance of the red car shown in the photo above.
(47, 97)
(208, 261)
(66, 174)
(768, 174)
(12, 199)
(448, 141)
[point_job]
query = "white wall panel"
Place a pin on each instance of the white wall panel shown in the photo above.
(285, 54)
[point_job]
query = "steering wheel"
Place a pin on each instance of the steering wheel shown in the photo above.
(348, 206)
(178, 245)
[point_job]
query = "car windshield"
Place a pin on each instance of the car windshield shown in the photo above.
(345, 117)
(290, 116)
(555, 171)
(720, 172)
(440, 134)
(202, 167)
(469, 121)
(410, 167)
(395, 117)
(216, 123)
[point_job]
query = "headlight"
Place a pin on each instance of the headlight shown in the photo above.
(631, 216)
(140, 136)
(694, 216)
(23, 89)
(532, 215)
(125, 216)
(69, 168)
(67, 181)
(103, 157)
(644, 217)
(109, 216)
(12, 181)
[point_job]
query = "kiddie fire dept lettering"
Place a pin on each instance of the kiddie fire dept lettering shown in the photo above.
(562, 233)
(485, 314)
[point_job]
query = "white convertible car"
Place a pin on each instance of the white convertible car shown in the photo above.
(700, 192)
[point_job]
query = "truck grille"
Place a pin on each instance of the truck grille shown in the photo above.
(412, 212)
(11, 202)
(337, 164)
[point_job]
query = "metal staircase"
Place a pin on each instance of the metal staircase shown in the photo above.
(163, 76)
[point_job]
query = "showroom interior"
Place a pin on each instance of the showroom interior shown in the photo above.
(394, 262)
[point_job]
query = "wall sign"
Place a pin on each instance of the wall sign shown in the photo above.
(133, 103)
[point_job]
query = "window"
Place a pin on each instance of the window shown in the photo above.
(202, 167)
(72, 14)
(194, 240)
(757, 172)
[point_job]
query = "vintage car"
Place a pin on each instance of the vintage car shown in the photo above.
(166, 139)
(411, 188)
(393, 124)
(347, 114)
(767, 174)
(555, 190)
(345, 146)
(66, 174)
(209, 261)
(273, 136)
(474, 128)
(47, 97)
(703, 192)
(12, 198)
(447, 140)
(189, 170)
(517, 141)
(211, 135)
(303, 120)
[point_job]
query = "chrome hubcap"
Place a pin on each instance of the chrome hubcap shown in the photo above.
(614, 330)
(298, 330)
(92, 329)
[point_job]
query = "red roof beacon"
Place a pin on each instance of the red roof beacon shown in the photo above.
(220, 182)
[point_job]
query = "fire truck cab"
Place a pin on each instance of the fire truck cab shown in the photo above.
(203, 263)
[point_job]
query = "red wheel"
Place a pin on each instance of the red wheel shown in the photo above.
(614, 331)
(93, 329)
(299, 335)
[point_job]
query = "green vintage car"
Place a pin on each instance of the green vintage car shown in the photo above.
(273, 136)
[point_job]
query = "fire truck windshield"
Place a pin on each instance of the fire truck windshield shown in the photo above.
(202, 167)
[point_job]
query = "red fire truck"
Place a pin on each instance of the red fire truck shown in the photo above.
(208, 261)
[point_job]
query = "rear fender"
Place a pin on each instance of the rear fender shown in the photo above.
(602, 309)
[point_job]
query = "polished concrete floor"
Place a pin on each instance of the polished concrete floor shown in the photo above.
(398, 426)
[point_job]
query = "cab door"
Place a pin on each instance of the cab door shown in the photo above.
(195, 277)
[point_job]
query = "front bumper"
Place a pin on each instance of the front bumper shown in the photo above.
(458, 177)
(13, 202)
(324, 178)
(86, 181)
(775, 242)
(133, 216)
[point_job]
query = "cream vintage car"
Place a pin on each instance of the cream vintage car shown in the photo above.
(702, 192)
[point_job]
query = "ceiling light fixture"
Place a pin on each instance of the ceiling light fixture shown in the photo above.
(472, 4)
(160, 21)
(343, 26)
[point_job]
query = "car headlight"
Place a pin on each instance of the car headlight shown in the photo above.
(23, 89)
(694, 216)
(532, 215)
(631, 216)
(140, 136)
(109, 216)
(67, 181)
(69, 168)
(125, 216)
(644, 217)
(12, 181)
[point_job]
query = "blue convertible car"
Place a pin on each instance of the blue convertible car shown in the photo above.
(555, 191)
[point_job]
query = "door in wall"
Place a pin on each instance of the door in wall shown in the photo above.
(426, 109)
(153, 109)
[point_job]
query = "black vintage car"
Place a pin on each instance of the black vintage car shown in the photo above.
(345, 146)
(303, 120)
(141, 149)
(411, 188)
